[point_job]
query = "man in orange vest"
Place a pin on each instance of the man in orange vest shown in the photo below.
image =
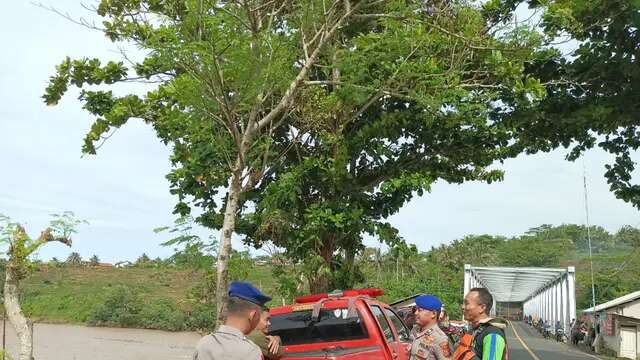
(487, 340)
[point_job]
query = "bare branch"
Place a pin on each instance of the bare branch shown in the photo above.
(347, 5)
(104, 139)
(295, 84)
(235, 16)
(81, 21)
(262, 6)
(47, 236)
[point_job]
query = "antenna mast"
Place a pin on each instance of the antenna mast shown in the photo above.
(586, 209)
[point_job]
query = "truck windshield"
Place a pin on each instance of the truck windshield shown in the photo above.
(332, 325)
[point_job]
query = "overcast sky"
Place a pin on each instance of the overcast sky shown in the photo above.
(123, 193)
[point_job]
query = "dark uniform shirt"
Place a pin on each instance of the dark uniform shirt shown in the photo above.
(260, 339)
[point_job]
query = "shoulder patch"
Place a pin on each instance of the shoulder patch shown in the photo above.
(446, 350)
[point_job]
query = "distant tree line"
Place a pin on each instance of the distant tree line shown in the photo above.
(404, 271)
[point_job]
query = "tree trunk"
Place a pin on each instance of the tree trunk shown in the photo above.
(15, 315)
(350, 265)
(228, 226)
(320, 283)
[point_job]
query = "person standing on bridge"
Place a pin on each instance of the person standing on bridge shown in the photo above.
(429, 341)
(230, 342)
(486, 340)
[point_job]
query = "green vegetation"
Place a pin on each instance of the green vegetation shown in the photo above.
(168, 294)
(71, 294)
(439, 270)
(18, 265)
(324, 117)
(151, 294)
(125, 307)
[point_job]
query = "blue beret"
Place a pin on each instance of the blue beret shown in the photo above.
(247, 291)
(429, 302)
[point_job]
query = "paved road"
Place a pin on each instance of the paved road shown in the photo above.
(74, 342)
(543, 349)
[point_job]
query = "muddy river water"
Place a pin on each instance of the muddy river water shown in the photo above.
(76, 342)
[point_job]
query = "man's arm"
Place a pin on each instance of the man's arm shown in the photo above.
(276, 350)
(493, 346)
(442, 350)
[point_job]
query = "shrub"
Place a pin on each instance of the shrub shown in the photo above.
(121, 308)
(125, 307)
(162, 314)
(202, 317)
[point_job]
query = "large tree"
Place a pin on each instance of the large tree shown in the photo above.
(367, 145)
(242, 83)
(229, 74)
(599, 103)
(358, 104)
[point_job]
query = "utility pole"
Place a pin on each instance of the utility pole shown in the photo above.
(586, 209)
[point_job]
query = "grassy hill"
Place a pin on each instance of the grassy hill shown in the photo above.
(162, 298)
(168, 296)
(68, 294)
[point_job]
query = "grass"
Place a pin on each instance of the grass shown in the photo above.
(69, 294)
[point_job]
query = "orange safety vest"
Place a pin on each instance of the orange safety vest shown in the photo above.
(465, 350)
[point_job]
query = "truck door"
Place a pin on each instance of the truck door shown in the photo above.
(401, 330)
(397, 348)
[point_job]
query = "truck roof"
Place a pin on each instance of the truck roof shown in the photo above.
(329, 300)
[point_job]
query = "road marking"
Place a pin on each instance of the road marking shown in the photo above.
(515, 332)
(522, 342)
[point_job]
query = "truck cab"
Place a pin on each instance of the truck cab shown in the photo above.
(344, 325)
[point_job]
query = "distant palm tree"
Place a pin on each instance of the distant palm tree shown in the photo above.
(74, 259)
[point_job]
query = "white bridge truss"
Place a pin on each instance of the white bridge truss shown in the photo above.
(549, 294)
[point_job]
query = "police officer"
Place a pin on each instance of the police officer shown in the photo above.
(229, 342)
(429, 341)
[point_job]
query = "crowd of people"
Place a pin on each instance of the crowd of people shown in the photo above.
(546, 328)
(244, 335)
(581, 332)
(585, 332)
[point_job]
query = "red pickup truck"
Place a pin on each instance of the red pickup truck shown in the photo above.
(345, 325)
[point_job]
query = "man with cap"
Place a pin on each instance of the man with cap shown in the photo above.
(229, 341)
(429, 341)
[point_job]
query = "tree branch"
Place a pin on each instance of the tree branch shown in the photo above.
(295, 84)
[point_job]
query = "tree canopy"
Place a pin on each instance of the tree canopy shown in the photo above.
(597, 103)
(322, 119)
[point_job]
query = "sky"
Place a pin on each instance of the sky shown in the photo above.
(123, 194)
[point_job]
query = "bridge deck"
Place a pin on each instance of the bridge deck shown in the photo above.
(542, 349)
